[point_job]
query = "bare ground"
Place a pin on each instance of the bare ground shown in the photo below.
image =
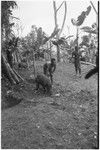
(66, 120)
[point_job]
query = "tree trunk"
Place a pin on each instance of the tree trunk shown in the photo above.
(56, 25)
(8, 72)
(63, 19)
(88, 63)
(50, 50)
(18, 75)
(77, 34)
(34, 64)
(58, 53)
(27, 61)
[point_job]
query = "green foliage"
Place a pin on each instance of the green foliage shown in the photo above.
(6, 14)
(85, 39)
(33, 41)
(91, 30)
(82, 17)
(92, 34)
(59, 41)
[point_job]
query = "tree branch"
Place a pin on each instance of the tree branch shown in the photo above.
(55, 13)
(64, 19)
(93, 7)
(60, 6)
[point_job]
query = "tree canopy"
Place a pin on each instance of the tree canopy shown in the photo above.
(6, 18)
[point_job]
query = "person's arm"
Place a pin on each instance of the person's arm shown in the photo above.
(72, 54)
(54, 68)
(45, 68)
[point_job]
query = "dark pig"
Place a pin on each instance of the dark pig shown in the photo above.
(44, 81)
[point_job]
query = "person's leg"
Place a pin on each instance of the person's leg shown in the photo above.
(76, 67)
(49, 89)
(51, 78)
(44, 88)
(79, 68)
(37, 86)
(45, 69)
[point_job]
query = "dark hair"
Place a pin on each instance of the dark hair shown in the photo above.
(53, 59)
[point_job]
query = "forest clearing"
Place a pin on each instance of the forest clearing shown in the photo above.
(66, 120)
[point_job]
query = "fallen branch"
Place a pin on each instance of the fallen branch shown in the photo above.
(87, 63)
(13, 75)
(18, 75)
(9, 72)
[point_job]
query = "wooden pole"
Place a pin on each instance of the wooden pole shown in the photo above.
(77, 35)
(50, 50)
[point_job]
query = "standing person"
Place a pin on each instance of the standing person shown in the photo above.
(49, 69)
(76, 55)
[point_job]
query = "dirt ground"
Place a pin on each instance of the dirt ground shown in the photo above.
(68, 119)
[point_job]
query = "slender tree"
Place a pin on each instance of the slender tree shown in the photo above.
(56, 24)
